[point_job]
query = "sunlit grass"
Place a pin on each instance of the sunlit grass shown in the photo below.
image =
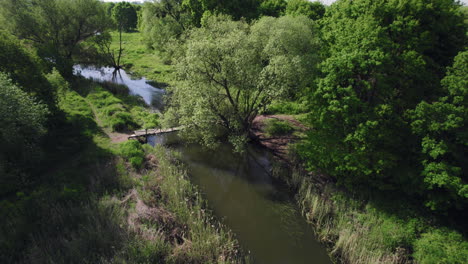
(141, 61)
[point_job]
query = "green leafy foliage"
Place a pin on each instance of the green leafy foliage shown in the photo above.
(231, 71)
(125, 16)
(274, 8)
(23, 67)
(235, 8)
(23, 122)
(384, 57)
(313, 10)
(441, 246)
(163, 25)
(55, 27)
(275, 127)
(442, 127)
(133, 152)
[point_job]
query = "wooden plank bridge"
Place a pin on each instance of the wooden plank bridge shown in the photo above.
(151, 132)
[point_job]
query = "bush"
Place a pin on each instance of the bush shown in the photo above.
(275, 127)
(103, 98)
(112, 109)
(441, 246)
(133, 152)
(290, 108)
(121, 121)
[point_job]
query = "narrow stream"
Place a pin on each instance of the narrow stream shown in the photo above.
(241, 191)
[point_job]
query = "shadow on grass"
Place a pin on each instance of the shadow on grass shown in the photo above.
(63, 215)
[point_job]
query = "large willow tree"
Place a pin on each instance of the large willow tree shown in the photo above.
(231, 71)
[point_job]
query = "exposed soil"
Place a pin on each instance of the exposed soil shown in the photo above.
(118, 137)
(278, 145)
(142, 215)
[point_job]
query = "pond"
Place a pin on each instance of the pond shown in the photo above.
(140, 87)
(240, 190)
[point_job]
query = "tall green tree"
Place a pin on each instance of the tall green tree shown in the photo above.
(384, 56)
(55, 27)
(313, 10)
(163, 25)
(231, 71)
(442, 127)
(235, 8)
(125, 16)
(274, 8)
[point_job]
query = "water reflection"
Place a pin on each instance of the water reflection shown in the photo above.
(153, 96)
(240, 190)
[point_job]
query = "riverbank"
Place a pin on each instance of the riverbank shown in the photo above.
(107, 202)
(360, 228)
(354, 228)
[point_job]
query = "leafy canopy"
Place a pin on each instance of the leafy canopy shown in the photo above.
(313, 10)
(55, 27)
(442, 127)
(231, 71)
(125, 16)
(384, 56)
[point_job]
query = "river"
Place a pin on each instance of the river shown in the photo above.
(241, 192)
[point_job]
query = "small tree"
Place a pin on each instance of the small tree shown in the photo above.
(125, 16)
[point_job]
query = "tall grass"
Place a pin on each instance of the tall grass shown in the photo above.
(357, 231)
(205, 239)
(111, 110)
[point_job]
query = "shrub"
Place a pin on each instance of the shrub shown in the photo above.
(290, 108)
(112, 109)
(103, 98)
(441, 246)
(133, 152)
(275, 127)
(121, 121)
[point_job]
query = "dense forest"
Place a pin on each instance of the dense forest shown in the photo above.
(380, 86)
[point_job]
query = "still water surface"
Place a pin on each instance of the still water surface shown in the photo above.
(239, 190)
(140, 87)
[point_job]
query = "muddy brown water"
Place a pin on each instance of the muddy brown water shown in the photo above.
(242, 193)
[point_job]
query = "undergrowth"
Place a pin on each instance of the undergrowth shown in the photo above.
(275, 127)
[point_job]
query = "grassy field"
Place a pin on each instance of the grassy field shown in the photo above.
(140, 61)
